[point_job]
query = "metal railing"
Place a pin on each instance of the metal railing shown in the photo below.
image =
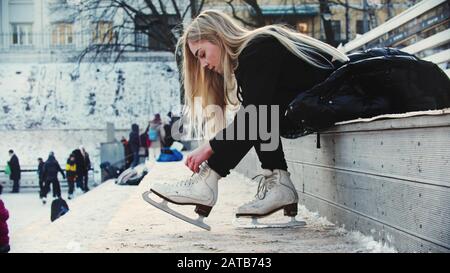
(29, 178)
(434, 48)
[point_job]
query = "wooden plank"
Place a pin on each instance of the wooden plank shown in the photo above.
(433, 41)
(419, 155)
(402, 242)
(422, 211)
(440, 57)
(417, 119)
(404, 17)
(414, 119)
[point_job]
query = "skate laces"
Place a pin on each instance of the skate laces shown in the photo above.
(195, 177)
(265, 183)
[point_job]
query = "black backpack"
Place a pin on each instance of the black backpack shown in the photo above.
(58, 209)
(374, 82)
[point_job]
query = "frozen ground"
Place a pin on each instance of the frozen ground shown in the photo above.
(114, 218)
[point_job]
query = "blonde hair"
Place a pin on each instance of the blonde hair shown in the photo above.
(215, 89)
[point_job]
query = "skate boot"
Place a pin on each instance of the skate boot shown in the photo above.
(199, 190)
(70, 196)
(44, 200)
(275, 192)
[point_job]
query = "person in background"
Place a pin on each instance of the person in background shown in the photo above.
(87, 167)
(40, 173)
(15, 171)
(145, 141)
(71, 172)
(135, 143)
(50, 174)
(4, 238)
(153, 133)
(165, 133)
(128, 154)
(80, 162)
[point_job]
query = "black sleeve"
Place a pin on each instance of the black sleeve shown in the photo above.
(60, 170)
(258, 74)
(88, 162)
(44, 171)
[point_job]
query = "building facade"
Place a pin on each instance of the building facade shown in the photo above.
(37, 31)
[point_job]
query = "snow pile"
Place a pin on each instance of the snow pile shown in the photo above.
(59, 96)
(73, 232)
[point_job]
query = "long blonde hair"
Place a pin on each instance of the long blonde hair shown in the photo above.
(219, 90)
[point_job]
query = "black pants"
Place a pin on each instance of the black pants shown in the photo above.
(228, 159)
(55, 187)
(42, 191)
(71, 183)
(135, 159)
(16, 185)
(230, 152)
(79, 181)
(85, 181)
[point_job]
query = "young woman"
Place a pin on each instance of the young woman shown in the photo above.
(269, 66)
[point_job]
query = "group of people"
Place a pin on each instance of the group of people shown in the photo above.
(77, 167)
(156, 135)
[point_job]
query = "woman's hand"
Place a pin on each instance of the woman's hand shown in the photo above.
(198, 156)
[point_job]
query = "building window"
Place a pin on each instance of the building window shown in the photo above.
(102, 33)
(336, 26)
(359, 27)
(62, 34)
(21, 34)
(150, 30)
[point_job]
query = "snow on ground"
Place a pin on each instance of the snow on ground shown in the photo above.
(115, 218)
(32, 230)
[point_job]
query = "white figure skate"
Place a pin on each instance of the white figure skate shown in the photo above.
(275, 192)
(199, 190)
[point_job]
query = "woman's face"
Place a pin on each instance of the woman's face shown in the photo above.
(207, 53)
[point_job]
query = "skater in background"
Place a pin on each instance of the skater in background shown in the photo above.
(153, 134)
(81, 170)
(271, 65)
(15, 171)
(145, 141)
(135, 144)
(87, 167)
(50, 174)
(40, 172)
(165, 133)
(4, 238)
(128, 154)
(71, 173)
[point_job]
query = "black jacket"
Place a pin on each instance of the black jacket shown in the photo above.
(41, 170)
(134, 141)
(14, 165)
(51, 169)
(87, 162)
(81, 163)
(374, 82)
(269, 74)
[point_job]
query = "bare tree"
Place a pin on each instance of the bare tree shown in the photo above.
(118, 26)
